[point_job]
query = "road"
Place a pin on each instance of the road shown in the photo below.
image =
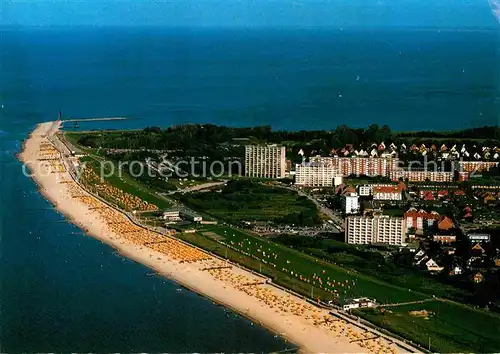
(337, 221)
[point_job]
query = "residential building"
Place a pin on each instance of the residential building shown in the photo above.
(359, 230)
(477, 237)
(359, 303)
(420, 219)
(444, 238)
(478, 278)
(377, 229)
(476, 166)
(387, 193)
(432, 266)
(445, 223)
(350, 203)
(421, 176)
(368, 166)
(315, 174)
(365, 191)
(265, 161)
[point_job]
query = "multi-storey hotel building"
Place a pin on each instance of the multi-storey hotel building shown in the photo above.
(265, 161)
(422, 176)
(377, 229)
(368, 166)
(315, 174)
(476, 166)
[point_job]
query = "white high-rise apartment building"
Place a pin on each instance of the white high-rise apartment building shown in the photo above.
(314, 174)
(350, 203)
(359, 230)
(377, 229)
(265, 161)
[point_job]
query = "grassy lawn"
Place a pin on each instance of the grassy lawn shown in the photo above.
(451, 327)
(128, 184)
(243, 200)
(303, 272)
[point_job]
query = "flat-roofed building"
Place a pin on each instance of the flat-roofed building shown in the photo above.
(377, 229)
(476, 166)
(359, 230)
(350, 203)
(365, 190)
(422, 176)
(265, 161)
(478, 237)
(315, 174)
(360, 166)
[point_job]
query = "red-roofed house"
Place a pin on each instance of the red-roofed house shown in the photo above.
(442, 193)
(428, 196)
(418, 219)
(349, 190)
(387, 193)
(459, 192)
(445, 223)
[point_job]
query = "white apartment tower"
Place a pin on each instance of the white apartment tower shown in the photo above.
(377, 229)
(265, 161)
(350, 203)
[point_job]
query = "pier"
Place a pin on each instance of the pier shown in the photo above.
(76, 120)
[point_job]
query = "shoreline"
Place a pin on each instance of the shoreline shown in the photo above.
(309, 328)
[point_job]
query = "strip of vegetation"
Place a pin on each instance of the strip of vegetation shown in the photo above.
(449, 327)
(245, 200)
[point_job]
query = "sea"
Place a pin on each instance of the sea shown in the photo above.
(63, 291)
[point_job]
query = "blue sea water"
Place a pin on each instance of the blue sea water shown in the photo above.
(61, 290)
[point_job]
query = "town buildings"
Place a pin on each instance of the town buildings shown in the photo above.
(476, 166)
(422, 176)
(365, 190)
(418, 219)
(316, 174)
(387, 193)
(265, 161)
(360, 166)
(376, 229)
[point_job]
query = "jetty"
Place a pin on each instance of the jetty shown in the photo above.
(76, 120)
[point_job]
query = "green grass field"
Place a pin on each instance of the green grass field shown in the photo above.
(454, 328)
(128, 184)
(244, 200)
(330, 280)
(451, 327)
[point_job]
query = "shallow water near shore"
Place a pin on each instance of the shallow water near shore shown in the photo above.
(64, 291)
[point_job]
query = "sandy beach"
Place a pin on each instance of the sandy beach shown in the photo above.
(311, 328)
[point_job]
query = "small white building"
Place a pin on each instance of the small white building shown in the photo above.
(362, 302)
(191, 216)
(171, 215)
(350, 203)
(365, 190)
(477, 237)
